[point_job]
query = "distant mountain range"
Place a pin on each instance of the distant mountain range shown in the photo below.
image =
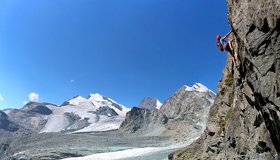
(100, 113)
(80, 126)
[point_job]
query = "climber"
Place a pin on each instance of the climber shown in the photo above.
(223, 45)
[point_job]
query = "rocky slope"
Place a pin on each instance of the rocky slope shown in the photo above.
(183, 115)
(244, 122)
(32, 117)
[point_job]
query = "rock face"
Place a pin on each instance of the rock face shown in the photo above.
(149, 103)
(106, 111)
(183, 115)
(5, 124)
(3, 120)
(244, 122)
(35, 107)
(144, 121)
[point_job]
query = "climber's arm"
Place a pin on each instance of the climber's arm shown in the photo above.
(226, 35)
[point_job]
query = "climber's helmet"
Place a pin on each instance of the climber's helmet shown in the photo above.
(218, 37)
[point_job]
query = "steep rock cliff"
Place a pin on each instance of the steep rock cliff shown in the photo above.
(5, 124)
(144, 122)
(244, 122)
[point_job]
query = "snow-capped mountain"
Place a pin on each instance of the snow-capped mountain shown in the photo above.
(149, 103)
(188, 96)
(99, 113)
(102, 101)
(184, 113)
(197, 87)
(95, 113)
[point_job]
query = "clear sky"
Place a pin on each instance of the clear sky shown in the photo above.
(122, 49)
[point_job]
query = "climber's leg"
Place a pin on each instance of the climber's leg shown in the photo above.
(229, 48)
(233, 57)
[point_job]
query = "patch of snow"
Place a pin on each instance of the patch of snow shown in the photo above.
(104, 124)
(56, 123)
(159, 104)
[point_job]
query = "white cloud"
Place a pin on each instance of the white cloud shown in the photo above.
(33, 97)
(1, 97)
(72, 81)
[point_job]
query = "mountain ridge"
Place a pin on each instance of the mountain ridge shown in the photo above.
(182, 115)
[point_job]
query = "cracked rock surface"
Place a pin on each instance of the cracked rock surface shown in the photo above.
(244, 122)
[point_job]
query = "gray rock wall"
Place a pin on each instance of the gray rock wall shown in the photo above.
(142, 121)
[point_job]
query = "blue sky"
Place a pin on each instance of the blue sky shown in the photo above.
(123, 49)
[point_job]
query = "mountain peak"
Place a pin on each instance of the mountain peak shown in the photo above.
(197, 87)
(150, 103)
(95, 96)
(77, 100)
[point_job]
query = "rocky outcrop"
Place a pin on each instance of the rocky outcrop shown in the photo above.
(144, 121)
(75, 122)
(6, 124)
(106, 111)
(3, 120)
(244, 122)
(41, 110)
